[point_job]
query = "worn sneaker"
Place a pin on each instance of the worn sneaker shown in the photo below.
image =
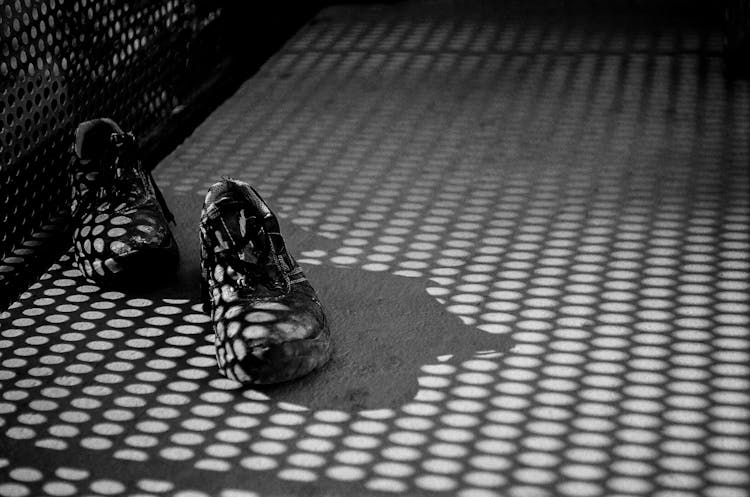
(270, 326)
(120, 219)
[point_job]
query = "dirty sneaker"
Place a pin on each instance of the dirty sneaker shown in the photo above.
(120, 219)
(270, 326)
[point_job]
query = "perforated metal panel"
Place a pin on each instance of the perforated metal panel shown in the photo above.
(63, 61)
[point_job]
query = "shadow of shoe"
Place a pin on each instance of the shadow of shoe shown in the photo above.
(384, 328)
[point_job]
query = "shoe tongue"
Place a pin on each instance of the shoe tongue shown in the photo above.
(239, 230)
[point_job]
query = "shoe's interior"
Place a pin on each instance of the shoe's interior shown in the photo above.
(92, 136)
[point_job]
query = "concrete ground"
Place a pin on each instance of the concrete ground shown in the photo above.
(530, 229)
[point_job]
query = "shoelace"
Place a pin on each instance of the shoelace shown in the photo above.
(259, 274)
(261, 271)
(125, 146)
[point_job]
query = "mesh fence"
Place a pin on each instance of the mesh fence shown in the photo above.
(65, 61)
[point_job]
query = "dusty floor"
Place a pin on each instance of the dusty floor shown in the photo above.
(530, 229)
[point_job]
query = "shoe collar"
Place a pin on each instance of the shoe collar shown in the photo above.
(91, 137)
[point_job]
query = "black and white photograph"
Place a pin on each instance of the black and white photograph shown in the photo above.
(459, 248)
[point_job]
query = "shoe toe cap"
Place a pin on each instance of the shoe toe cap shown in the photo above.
(272, 342)
(109, 242)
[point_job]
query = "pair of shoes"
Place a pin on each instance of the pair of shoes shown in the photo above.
(269, 324)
